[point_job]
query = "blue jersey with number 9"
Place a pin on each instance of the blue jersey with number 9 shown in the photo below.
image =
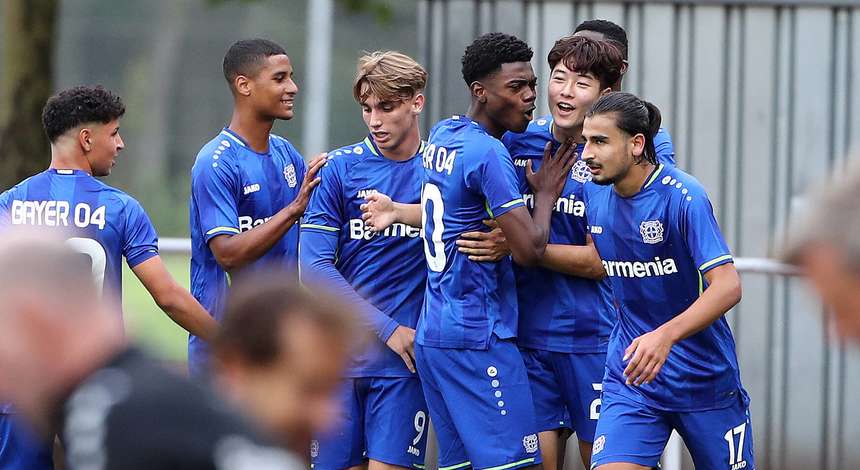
(468, 177)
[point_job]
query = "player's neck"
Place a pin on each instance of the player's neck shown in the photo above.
(252, 129)
(407, 149)
(478, 115)
(561, 135)
(635, 179)
(63, 159)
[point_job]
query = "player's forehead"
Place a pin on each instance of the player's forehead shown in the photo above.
(515, 71)
(600, 125)
(561, 69)
(275, 64)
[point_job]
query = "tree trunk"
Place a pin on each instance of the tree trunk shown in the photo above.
(28, 52)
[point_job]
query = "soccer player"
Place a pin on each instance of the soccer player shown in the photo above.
(671, 361)
(384, 415)
(104, 223)
(65, 363)
(606, 30)
(472, 373)
(566, 314)
(248, 187)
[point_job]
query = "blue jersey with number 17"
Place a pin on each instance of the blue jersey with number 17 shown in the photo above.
(656, 247)
(468, 177)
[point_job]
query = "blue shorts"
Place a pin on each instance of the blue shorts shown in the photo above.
(384, 419)
(566, 389)
(20, 449)
(481, 406)
(631, 432)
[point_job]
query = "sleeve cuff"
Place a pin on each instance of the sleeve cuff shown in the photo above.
(223, 230)
(718, 261)
(133, 261)
(388, 330)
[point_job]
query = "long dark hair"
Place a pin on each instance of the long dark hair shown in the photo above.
(633, 116)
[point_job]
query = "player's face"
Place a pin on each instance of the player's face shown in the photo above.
(105, 146)
(391, 122)
(838, 287)
(273, 90)
(608, 150)
(570, 94)
(510, 95)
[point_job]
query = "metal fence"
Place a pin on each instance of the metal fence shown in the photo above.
(770, 367)
(761, 99)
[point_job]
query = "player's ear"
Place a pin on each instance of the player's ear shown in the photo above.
(606, 91)
(637, 146)
(85, 139)
(478, 91)
(242, 85)
(418, 103)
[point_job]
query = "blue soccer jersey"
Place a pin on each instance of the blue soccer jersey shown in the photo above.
(558, 312)
(664, 147)
(656, 247)
(233, 189)
(384, 273)
(102, 222)
(468, 177)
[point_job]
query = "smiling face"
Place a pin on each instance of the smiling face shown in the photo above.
(570, 95)
(509, 96)
(272, 90)
(102, 144)
(391, 122)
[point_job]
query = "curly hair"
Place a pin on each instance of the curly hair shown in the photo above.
(609, 30)
(79, 105)
(389, 75)
(585, 55)
(487, 53)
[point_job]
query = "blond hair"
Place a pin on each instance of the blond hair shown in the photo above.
(389, 75)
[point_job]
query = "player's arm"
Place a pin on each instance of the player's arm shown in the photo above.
(574, 260)
(234, 251)
(526, 234)
(177, 302)
(379, 212)
(648, 352)
(317, 258)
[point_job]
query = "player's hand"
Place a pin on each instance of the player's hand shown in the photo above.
(647, 354)
(554, 169)
(378, 212)
(300, 203)
(484, 246)
(402, 341)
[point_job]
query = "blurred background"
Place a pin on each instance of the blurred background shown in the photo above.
(762, 98)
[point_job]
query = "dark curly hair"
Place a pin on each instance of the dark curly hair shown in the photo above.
(609, 30)
(246, 56)
(80, 105)
(487, 53)
(581, 54)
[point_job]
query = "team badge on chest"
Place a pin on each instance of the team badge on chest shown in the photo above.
(580, 172)
(652, 231)
(290, 175)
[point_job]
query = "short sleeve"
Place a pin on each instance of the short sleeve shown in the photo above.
(701, 233)
(664, 147)
(494, 176)
(325, 211)
(214, 190)
(5, 209)
(140, 242)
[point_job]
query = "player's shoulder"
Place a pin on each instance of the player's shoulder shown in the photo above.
(532, 140)
(283, 145)
(219, 151)
(22, 185)
(344, 158)
(678, 184)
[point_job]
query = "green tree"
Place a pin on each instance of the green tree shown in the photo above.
(28, 50)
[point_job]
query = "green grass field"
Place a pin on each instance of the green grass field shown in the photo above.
(146, 323)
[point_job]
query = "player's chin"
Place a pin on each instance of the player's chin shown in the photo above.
(601, 180)
(285, 114)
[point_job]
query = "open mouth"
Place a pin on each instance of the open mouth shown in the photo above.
(380, 136)
(529, 113)
(565, 108)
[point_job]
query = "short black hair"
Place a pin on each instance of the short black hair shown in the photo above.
(246, 56)
(487, 53)
(79, 105)
(585, 55)
(609, 30)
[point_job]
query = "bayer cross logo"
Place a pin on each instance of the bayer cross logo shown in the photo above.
(652, 231)
(530, 442)
(598, 445)
(290, 175)
(580, 172)
(315, 448)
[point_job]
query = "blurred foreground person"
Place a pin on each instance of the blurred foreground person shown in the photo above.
(824, 242)
(65, 364)
(280, 356)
